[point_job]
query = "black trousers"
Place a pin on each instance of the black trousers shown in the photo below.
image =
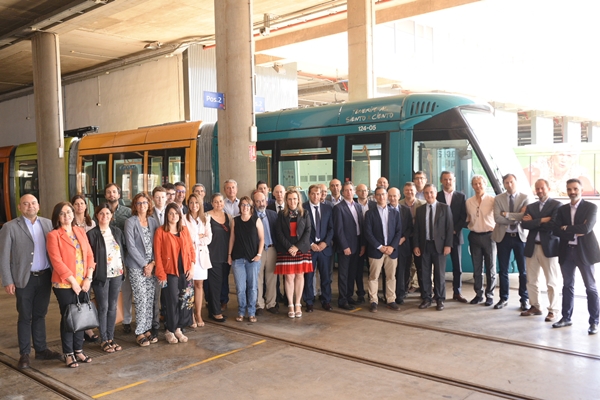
(430, 257)
(32, 306)
(212, 288)
(178, 314)
(346, 276)
(70, 341)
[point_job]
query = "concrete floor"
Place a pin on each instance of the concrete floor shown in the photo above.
(501, 351)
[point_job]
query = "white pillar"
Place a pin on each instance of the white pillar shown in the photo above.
(571, 131)
(542, 129)
(47, 93)
(593, 132)
(508, 126)
(361, 77)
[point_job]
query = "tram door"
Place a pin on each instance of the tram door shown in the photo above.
(93, 179)
(365, 160)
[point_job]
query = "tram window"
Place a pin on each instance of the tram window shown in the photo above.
(128, 174)
(156, 170)
(366, 164)
(433, 157)
(298, 168)
(86, 177)
(263, 166)
(176, 160)
(28, 178)
(2, 188)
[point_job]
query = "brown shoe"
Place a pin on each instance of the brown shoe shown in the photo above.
(459, 297)
(23, 361)
(223, 306)
(531, 311)
(550, 317)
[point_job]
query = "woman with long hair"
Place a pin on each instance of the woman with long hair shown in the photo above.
(107, 241)
(220, 224)
(245, 250)
(139, 237)
(199, 225)
(72, 268)
(293, 250)
(175, 257)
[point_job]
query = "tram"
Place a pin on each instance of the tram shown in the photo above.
(359, 141)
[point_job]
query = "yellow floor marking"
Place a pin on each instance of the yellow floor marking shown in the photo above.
(356, 309)
(180, 369)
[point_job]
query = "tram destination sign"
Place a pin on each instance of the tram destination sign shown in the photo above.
(214, 100)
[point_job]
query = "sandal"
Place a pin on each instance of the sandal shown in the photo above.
(107, 347)
(291, 313)
(92, 339)
(115, 345)
(142, 340)
(152, 338)
(299, 313)
(85, 358)
(239, 318)
(253, 319)
(73, 361)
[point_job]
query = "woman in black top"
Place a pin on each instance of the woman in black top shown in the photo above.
(217, 249)
(107, 243)
(245, 249)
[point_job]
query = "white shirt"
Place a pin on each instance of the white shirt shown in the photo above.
(232, 207)
(314, 214)
(384, 214)
(448, 196)
(573, 212)
(354, 215)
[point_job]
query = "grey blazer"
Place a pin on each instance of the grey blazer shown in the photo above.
(136, 251)
(501, 204)
(16, 251)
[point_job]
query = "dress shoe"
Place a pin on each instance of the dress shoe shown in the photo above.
(440, 305)
(273, 310)
(352, 301)
(489, 301)
(222, 319)
(476, 300)
(360, 300)
(425, 304)
(531, 311)
(327, 307)
(373, 307)
(223, 306)
(23, 361)
(525, 305)
(593, 329)
(501, 304)
(259, 311)
(126, 328)
(549, 317)
(413, 289)
(310, 308)
(399, 301)
(393, 306)
(47, 355)
(347, 306)
(562, 323)
(460, 298)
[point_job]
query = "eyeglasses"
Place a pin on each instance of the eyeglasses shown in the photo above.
(180, 191)
(170, 193)
(141, 203)
(245, 205)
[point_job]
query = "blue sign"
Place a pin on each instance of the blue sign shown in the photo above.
(259, 104)
(214, 100)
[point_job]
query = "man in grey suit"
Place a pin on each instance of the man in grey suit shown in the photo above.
(541, 250)
(26, 274)
(433, 238)
(509, 208)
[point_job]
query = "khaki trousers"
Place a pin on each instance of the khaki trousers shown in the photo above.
(389, 266)
(552, 273)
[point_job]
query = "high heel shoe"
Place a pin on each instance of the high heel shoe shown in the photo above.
(298, 313)
(291, 313)
(71, 360)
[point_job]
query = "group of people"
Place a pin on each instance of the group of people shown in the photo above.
(167, 250)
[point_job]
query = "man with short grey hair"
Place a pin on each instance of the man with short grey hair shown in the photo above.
(230, 187)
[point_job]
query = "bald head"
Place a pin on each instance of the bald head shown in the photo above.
(394, 196)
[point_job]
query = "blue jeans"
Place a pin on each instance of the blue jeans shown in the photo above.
(245, 273)
(570, 263)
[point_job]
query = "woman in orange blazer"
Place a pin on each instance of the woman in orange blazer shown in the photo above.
(73, 266)
(175, 257)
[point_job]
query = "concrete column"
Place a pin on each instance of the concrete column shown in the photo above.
(508, 126)
(593, 132)
(361, 77)
(542, 129)
(571, 131)
(47, 93)
(235, 78)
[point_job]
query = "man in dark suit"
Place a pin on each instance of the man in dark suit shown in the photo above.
(405, 255)
(277, 202)
(457, 202)
(321, 241)
(541, 250)
(433, 238)
(578, 248)
(347, 230)
(266, 273)
(26, 272)
(383, 229)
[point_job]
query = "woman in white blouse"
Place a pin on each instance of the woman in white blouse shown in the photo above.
(199, 227)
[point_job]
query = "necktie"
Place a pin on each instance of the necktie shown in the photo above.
(279, 208)
(317, 223)
(430, 222)
(266, 229)
(511, 206)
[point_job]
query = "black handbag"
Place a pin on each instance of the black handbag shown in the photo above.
(81, 316)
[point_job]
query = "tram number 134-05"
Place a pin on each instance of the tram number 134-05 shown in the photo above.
(367, 128)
